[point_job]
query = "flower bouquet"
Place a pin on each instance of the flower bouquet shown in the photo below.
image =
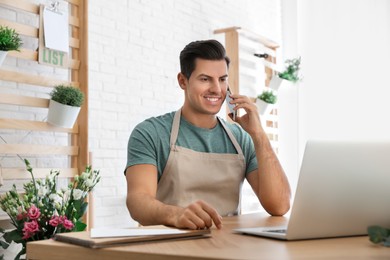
(42, 211)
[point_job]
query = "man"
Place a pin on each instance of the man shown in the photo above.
(185, 168)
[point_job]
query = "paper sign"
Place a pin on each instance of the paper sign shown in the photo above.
(56, 30)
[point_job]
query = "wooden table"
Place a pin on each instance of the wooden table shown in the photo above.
(223, 244)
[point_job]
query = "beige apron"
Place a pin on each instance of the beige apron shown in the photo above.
(213, 177)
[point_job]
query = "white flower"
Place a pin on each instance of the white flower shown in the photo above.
(55, 198)
(42, 191)
(66, 195)
(88, 183)
(77, 194)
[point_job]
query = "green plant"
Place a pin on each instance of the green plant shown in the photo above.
(268, 97)
(43, 211)
(9, 39)
(67, 95)
(379, 235)
(291, 71)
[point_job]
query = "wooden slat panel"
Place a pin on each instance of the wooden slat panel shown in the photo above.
(33, 149)
(12, 99)
(21, 173)
(16, 124)
(32, 79)
(22, 5)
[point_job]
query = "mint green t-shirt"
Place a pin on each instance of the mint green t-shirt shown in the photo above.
(149, 141)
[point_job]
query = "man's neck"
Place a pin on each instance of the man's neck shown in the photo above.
(199, 120)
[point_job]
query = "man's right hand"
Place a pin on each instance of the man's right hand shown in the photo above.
(198, 215)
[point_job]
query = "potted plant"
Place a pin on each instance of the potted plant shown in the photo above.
(64, 106)
(264, 102)
(292, 67)
(9, 41)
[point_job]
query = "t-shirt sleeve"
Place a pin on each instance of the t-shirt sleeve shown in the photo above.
(141, 147)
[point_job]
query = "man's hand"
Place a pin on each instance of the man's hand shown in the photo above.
(198, 215)
(250, 122)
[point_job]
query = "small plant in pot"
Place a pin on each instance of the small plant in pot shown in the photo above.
(264, 102)
(9, 41)
(64, 106)
(290, 73)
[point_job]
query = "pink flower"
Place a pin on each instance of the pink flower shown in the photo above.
(30, 228)
(67, 224)
(33, 212)
(55, 221)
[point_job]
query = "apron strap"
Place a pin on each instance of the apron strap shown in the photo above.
(175, 128)
(231, 136)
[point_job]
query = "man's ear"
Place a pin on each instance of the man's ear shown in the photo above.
(182, 80)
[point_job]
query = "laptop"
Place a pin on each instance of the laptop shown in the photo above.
(343, 187)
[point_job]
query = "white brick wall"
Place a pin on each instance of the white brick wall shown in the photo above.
(134, 47)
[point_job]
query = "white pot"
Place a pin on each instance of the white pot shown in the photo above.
(62, 115)
(263, 107)
(3, 54)
(275, 82)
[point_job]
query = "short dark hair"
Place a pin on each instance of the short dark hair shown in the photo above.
(207, 49)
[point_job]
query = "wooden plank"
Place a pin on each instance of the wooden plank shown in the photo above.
(13, 99)
(21, 28)
(226, 30)
(22, 173)
(34, 32)
(33, 79)
(74, 21)
(74, 2)
(16, 124)
(27, 54)
(34, 149)
(251, 35)
(24, 54)
(81, 76)
(24, 5)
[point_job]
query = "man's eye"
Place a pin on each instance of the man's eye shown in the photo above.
(204, 79)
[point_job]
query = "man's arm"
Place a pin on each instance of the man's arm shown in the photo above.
(147, 210)
(269, 181)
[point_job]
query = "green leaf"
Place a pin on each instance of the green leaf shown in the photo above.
(80, 226)
(13, 235)
(378, 234)
(4, 245)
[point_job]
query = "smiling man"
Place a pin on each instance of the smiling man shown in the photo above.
(185, 168)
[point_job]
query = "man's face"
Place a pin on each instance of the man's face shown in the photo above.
(205, 90)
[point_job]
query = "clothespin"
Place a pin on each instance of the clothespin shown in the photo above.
(54, 5)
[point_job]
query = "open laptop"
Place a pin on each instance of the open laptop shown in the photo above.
(343, 187)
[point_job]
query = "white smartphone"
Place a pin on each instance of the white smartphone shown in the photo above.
(230, 106)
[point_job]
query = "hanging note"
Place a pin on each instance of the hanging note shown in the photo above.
(56, 30)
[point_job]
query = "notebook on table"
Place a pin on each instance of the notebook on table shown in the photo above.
(104, 237)
(343, 187)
